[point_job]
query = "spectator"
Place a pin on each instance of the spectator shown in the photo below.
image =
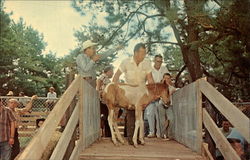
(101, 83)
(51, 96)
(153, 110)
(52, 143)
(7, 131)
(226, 130)
(166, 125)
(137, 70)
(238, 142)
(86, 61)
(13, 104)
(23, 100)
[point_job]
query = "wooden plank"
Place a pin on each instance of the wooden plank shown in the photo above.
(154, 149)
(199, 118)
(220, 140)
(81, 119)
(27, 123)
(29, 118)
(75, 154)
(206, 153)
(40, 141)
(37, 114)
(64, 140)
(230, 111)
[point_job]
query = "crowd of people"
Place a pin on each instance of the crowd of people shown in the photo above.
(138, 70)
(11, 110)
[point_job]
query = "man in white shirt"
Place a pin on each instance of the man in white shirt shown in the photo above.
(137, 71)
(151, 113)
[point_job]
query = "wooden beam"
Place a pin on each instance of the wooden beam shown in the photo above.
(38, 144)
(64, 140)
(81, 102)
(76, 152)
(206, 153)
(199, 118)
(230, 111)
(220, 140)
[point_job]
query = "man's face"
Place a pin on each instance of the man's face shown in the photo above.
(12, 104)
(238, 148)
(225, 125)
(167, 79)
(158, 62)
(110, 73)
(90, 51)
(140, 54)
(40, 123)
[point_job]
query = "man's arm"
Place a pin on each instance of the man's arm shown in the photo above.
(117, 76)
(98, 84)
(81, 63)
(150, 78)
(29, 105)
(12, 132)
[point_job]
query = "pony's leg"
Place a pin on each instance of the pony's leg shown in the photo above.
(137, 123)
(141, 134)
(110, 120)
(118, 134)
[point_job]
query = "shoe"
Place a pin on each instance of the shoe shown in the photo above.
(151, 135)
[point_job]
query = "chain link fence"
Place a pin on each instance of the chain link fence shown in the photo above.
(27, 125)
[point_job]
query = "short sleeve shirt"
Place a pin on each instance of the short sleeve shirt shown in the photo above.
(6, 117)
(135, 74)
(158, 74)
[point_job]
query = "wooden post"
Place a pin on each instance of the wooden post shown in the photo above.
(199, 117)
(81, 139)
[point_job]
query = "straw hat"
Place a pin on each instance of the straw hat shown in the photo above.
(88, 44)
(10, 93)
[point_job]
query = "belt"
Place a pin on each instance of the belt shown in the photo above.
(87, 78)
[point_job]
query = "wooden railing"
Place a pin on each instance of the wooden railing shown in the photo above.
(85, 114)
(229, 111)
(190, 117)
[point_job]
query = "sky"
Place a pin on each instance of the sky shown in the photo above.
(56, 20)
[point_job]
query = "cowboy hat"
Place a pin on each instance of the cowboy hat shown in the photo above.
(88, 44)
(10, 93)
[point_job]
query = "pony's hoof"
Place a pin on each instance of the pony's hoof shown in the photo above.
(136, 145)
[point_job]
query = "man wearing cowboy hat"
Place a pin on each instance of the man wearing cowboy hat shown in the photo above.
(86, 61)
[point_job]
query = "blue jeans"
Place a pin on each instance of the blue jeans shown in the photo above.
(5, 150)
(165, 113)
(152, 116)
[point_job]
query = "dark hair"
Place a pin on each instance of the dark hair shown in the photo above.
(233, 140)
(138, 46)
(38, 120)
(159, 56)
(107, 68)
(167, 74)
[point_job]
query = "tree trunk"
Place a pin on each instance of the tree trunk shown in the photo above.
(190, 52)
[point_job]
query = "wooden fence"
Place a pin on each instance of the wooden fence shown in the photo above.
(189, 117)
(85, 116)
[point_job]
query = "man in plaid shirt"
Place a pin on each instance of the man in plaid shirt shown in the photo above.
(7, 131)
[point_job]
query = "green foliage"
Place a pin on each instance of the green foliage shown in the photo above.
(218, 29)
(23, 67)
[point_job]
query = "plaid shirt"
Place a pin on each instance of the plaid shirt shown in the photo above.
(6, 117)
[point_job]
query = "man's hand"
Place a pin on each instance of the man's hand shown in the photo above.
(119, 47)
(11, 141)
(96, 57)
(34, 97)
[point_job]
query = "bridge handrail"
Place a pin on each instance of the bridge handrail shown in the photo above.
(231, 112)
(38, 144)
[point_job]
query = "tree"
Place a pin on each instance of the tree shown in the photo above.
(23, 65)
(201, 28)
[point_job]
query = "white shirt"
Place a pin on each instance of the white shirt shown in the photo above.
(134, 74)
(51, 95)
(158, 74)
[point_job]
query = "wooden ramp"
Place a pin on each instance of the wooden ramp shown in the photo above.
(154, 149)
